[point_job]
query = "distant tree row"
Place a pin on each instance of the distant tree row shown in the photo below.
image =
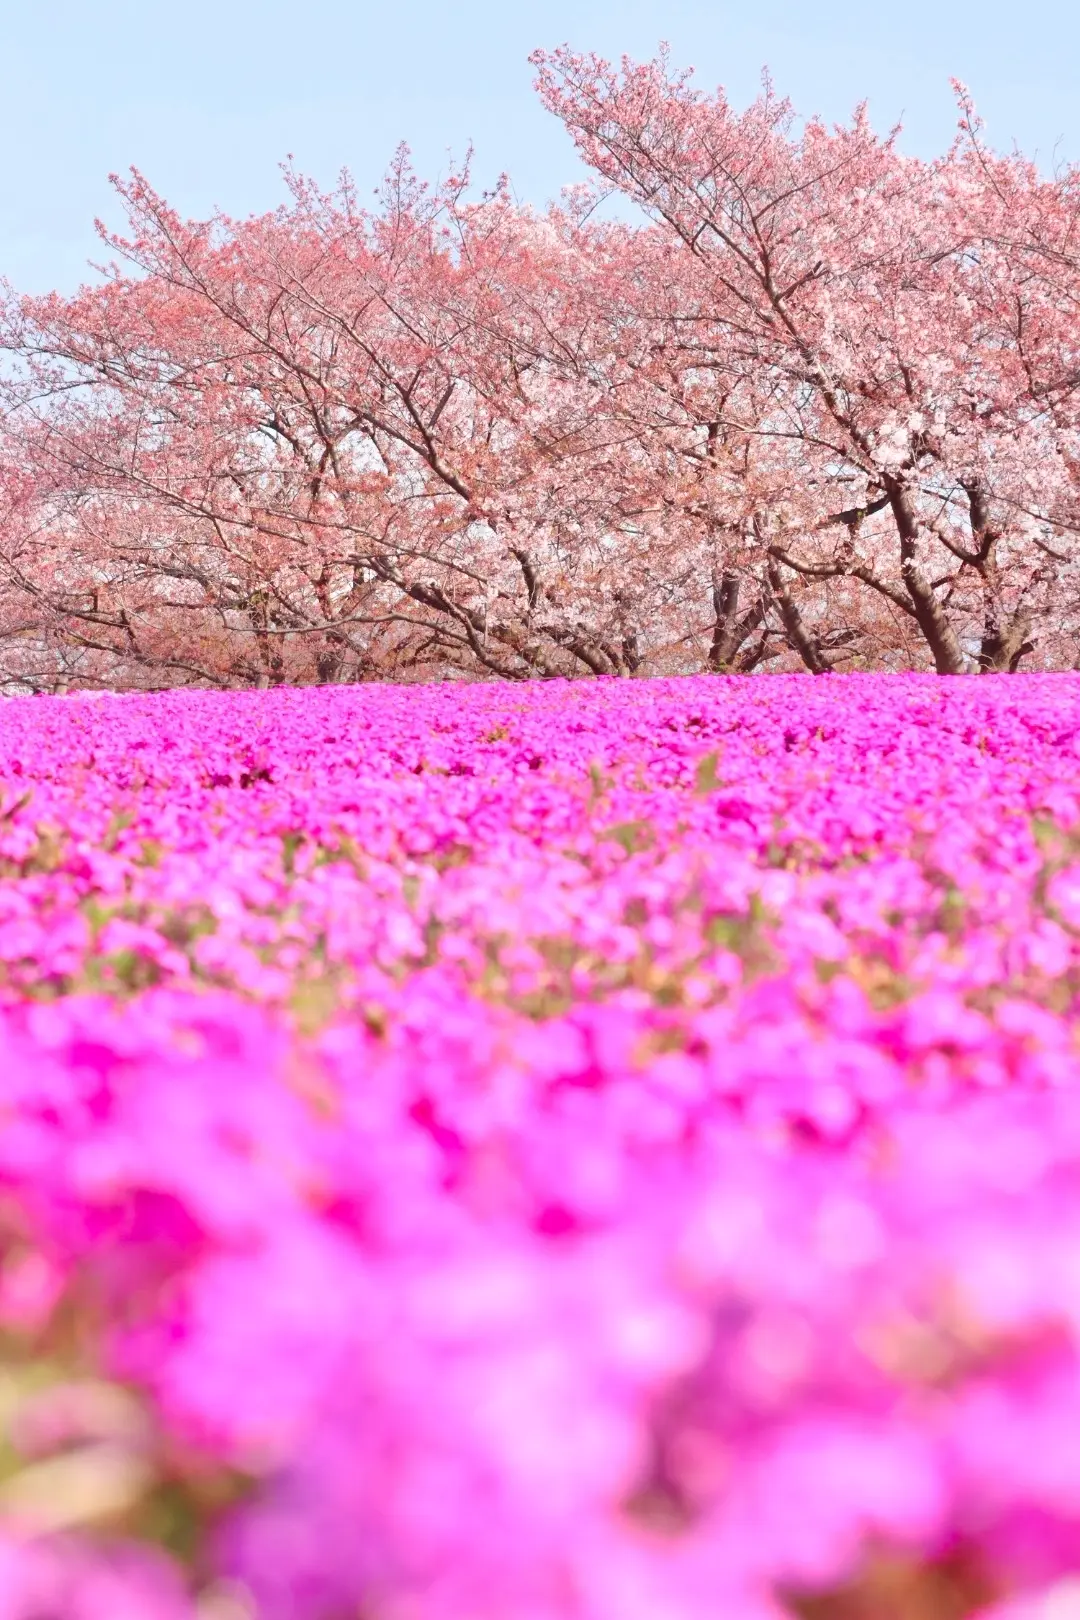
(817, 407)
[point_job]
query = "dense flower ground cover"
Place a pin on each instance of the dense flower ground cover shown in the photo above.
(569, 1153)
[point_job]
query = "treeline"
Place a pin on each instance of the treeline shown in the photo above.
(817, 407)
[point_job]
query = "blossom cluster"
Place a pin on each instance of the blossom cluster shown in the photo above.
(561, 1152)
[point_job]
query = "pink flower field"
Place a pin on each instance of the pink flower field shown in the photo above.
(545, 1152)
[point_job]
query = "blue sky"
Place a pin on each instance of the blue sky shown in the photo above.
(207, 96)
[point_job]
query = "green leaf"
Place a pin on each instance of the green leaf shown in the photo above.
(706, 779)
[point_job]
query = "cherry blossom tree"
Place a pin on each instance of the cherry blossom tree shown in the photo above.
(373, 437)
(864, 293)
(818, 408)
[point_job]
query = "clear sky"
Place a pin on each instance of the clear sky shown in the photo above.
(207, 96)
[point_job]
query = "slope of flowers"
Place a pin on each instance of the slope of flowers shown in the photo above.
(569, 1153)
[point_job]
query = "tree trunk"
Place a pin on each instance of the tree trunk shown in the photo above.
(729, 631)
(797, 635)
(930, 616)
